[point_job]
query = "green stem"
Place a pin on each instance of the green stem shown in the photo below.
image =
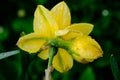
(52, 52)
(57, 42)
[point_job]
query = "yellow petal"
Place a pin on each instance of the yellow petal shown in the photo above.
(78, 58)
(86, 49)
(61, 32)
(44, 54)
(62, 61)
(78, 29)
(44, 22)
(82, 28)
(70, 35)
(31, 42)
(61, 14)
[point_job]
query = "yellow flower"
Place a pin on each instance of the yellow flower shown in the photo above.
(55, 25)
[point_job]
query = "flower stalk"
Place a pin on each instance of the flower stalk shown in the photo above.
(48, 71)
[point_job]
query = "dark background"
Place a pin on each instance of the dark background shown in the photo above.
(16, 16)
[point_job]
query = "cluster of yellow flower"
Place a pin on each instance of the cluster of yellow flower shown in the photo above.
(54, 28)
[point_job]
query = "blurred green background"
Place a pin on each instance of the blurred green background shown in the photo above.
(16, 16)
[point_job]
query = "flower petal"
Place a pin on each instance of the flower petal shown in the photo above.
(84, 28)
(44, 54)
(70, 35)
(62, 61)
(61, 32)
(31, 42)
(78, 29)
(86, 49)
(44, 22)
(61, 14)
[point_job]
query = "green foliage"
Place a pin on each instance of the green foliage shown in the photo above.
(87, 74)
(114, 67)
(23, 25)
(41, 1)
(3, 33)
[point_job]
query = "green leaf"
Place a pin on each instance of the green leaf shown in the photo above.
(7, 54)
(114, 67)
(87, 74)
